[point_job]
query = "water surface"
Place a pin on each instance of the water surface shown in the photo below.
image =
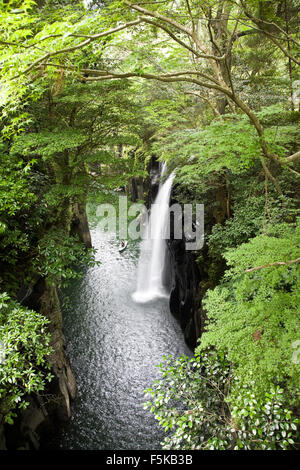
(114, 345)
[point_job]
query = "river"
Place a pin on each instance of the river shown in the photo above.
(114, 345)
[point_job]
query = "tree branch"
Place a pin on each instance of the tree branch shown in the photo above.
(271, 23)
(207, 100)
(157, 15)
(260, 24)
(80, 45)
(190, 14)
(175, 77)
(278, 263)
(293, 157)
(179, 41)
(106, 73)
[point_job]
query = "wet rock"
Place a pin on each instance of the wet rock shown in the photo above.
(54, 405)
(185, 299)
(50, 307)
(79, 224)
(2, 438)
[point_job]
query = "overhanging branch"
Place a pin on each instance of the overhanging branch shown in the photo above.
(293, 157)
(91, 38)
(175, 77)
(95, 74)
(179, 41)
(277, 263)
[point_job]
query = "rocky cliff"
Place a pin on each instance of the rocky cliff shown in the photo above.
(191, 273)
(53, 405)
(185, 299)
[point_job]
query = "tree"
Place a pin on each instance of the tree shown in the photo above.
(206, 52)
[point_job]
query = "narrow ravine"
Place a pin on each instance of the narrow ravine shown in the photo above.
(114, 345)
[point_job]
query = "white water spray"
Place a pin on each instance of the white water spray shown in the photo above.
(153, 249)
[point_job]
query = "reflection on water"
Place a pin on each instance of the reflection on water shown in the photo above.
(114, 345)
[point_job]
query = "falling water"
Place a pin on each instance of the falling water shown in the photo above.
(150, 283)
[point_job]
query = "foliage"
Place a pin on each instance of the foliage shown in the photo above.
(211, 149)
(72, 141)
(16, 196)
(201, 403)
(253, 315)
(251, 212)
(24, 367)
(59, 258)
(228, 143)
(81, 130)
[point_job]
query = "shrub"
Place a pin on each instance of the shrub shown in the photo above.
(24, 367)
(203, 406)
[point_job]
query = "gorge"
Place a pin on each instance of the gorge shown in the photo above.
(115, 337)
(94, 97)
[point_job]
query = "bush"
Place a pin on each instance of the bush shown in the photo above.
(253, 316)
(60, 257)
(203, 406)
(24, 367)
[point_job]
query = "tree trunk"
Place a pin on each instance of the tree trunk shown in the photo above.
(79, 224)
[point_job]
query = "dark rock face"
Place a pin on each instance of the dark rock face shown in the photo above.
(136, 189)
(64, 383)
(2, 438)
(190, 279)
(145, 189)
(54, 404)
(24, 434)
(181, 273)
(185, 299)
(154, 174)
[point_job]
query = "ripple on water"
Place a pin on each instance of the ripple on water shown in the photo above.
(114, 345)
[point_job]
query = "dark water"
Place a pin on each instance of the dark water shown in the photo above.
(114, 345)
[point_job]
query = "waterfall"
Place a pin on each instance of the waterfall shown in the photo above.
(153, 249)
